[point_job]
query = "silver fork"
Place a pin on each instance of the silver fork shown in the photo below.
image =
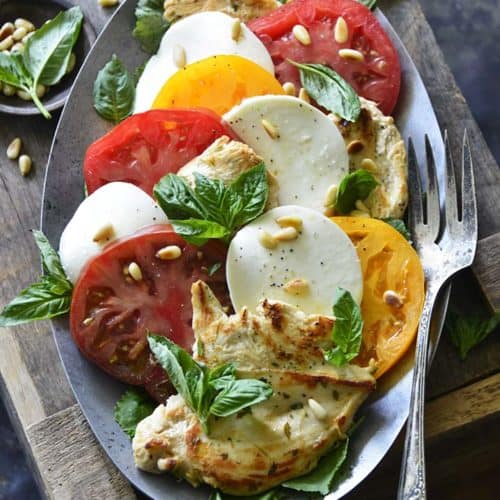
(446, 243)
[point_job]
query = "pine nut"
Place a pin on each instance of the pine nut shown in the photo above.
(24, 23)
(19, 34)
(25, 164)
(104, 234)
(392, 298)
(179, 56)
(353, 54)
(71, 63)
(8, 90)
(289, 88)
(267, 240)
(6, 30)
(271, 130)
(236, 30)
(318, 410)
(297, 286)
(22, 94)
(370, 165)
(170, 252)
(341, 31)
(303, 95)
(108, 3)
(290, 221)
(359, 213)
(14, 149)
(40, 90)
(361, 206)
(135, 271)
(331, 196)
(355, 147)
(7, 43)
(301, 34)
(286, 234)
(87, 321)
(18, 47)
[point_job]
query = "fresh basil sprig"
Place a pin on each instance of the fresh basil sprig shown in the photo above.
(45, 57)
(150, 24)
(134, 406)
(48, 298)
(347, 329)
(114, 91)
(329, 90)
(354, 186)
(212, 210)
(207, 391)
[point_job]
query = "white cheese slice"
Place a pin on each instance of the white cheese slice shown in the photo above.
(322, 256)
(199, 36)
(115, 210)
(306, 152)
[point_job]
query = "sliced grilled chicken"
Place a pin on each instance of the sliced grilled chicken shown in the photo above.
(312, 406)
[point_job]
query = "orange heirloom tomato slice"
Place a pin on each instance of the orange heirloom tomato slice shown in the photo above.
(388, 262)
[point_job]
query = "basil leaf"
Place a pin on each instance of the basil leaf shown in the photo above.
(135, 405)
(177, 199)
(329, 90)
(114, 91)
(239, 394)
(51, 263)
(354, 186)
(13, 72)
(210, 193)
(320, 479)
(199, 231)
(400, 226)
(371, 4)
(465, 332)
(47, 52)
(150, 24)
(347, 329)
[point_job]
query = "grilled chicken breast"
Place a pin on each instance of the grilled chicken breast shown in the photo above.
(375, 137)
(312, 406)
(226, 160)
(243, 9)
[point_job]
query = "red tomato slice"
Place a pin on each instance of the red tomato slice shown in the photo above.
(377, 78)
(147, 146)
(111, 313)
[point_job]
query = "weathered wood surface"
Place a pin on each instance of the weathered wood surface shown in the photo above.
(487, 269)
(33, 381)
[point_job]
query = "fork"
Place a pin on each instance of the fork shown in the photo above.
(445, 241)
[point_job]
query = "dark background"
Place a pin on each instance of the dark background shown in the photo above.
(469, 35)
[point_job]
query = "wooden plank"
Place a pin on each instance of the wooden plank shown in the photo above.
(486, 268)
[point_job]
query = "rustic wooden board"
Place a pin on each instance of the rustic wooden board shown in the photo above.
(33, 381)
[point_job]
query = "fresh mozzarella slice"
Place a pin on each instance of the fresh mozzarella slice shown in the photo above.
(113, 211)
(298, 144)
(196, 37)
(303, 272)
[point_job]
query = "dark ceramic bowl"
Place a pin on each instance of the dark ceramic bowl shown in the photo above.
(38, 12)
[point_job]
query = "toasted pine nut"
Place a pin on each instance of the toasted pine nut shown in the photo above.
(318, 410)
(289, 88)
(135, 271)
(108, 3)
(104, 234)
(301, 34)
(24, 23)
(286, 234)
(87, 321)
(24, 164)
(236, 30)
(18, 47)
(297, 286)
(22, 94)
(369, 164)
(267, 240)
(7, 43)
(341, 31)
(40, 90)
(271, 129)
(355, 146)
(361, 206)
(392, 298)
(359, 213)
(169, 252)
(331, 196)
(14, 149)
(179, 55)
(6, 30)
(71, 63)
(290, 221)
(353, 54)
(304, 95)
(19, 34)
(8, 90)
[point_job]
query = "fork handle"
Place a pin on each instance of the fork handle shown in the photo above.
(412, 476)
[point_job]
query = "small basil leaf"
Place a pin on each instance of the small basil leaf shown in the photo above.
(150, 24)
(199, 231)
(114, 91)
(400, 226)
(177, 199)
(329, 90)
(51, 263)
(347, 329)
(135, 405)
(354, 186)
(210, 194)
(47, 52)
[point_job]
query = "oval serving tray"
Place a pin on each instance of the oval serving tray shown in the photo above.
(386, 410)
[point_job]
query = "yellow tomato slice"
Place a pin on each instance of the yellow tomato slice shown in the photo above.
(388, 262)
(217, 83)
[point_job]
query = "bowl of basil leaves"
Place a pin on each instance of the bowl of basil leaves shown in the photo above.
(60, 31)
